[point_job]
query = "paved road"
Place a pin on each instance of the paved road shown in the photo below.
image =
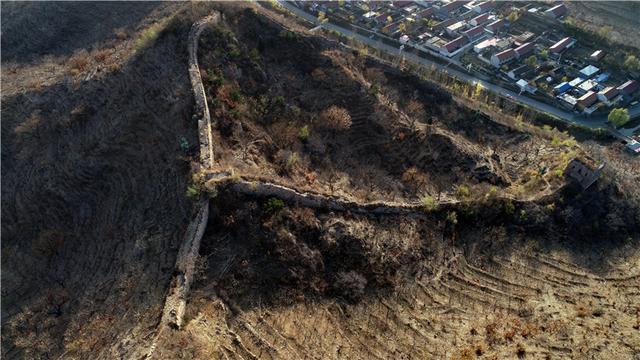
(590, 122)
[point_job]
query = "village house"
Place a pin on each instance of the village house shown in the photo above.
(502, 57)
(597, 55)
(479, 20)
(633, 147)
(495, 26)
(628, 87)
(483, 7)
(452, 46)
(587, 99)
(589, 71)
(557, 11)
(562, 45)
(525, 86)
(609, 96)
(518, 72)
(474, 33)
(524, 49)
(448, 8)
(582, 173)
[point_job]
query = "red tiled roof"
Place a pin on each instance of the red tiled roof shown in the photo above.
(524, 48)
(455, 44)
(609, 92)
(425, 12)
(473, 32)
(507, 54)
(628, 87)
(484, 6)
(401, 4)
(496, 24)
(561, 45)
(558, 10)
(453, 5)
(480, 18)
(588, 98)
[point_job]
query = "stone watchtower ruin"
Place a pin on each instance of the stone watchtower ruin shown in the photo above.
(581, 172)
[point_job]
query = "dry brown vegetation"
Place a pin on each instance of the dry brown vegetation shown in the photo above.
(94, 205)
(359, 125)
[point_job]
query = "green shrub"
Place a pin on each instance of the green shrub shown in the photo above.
(463, 191)
(619, 116)
(254, 55)
(236, 95)
(273, 206)
(148, 36)
(278, 100)
(509, 208)
(184, 144)
(193, 191)
(293, 159)
(452, 217)
(215, 78)
(303, 133)
(429, 203)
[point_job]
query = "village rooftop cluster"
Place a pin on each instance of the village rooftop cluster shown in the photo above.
(520, 46)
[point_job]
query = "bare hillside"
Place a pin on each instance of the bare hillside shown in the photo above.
(356, 209)
(94, 181)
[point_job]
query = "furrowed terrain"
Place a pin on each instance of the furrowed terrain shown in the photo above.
(355, 210)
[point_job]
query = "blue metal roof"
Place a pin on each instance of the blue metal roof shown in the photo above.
(575, 82)
(562, 87)
(602, 77)
(588, 71)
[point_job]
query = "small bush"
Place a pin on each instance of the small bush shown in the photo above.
(336, 118)
(463, 191)
(452, 217)
(429, 203)
(278, 100)
(79, 60)
(215, 78)
(235, 53)
(236, 95)
(148, 36)
(273, 206)
(121, 34)
(303, 133)
(509, 208)
(193, 191)
(102, 55)
(293, 159)
(254, 55)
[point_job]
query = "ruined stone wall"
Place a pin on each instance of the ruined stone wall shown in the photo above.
(202, 109)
